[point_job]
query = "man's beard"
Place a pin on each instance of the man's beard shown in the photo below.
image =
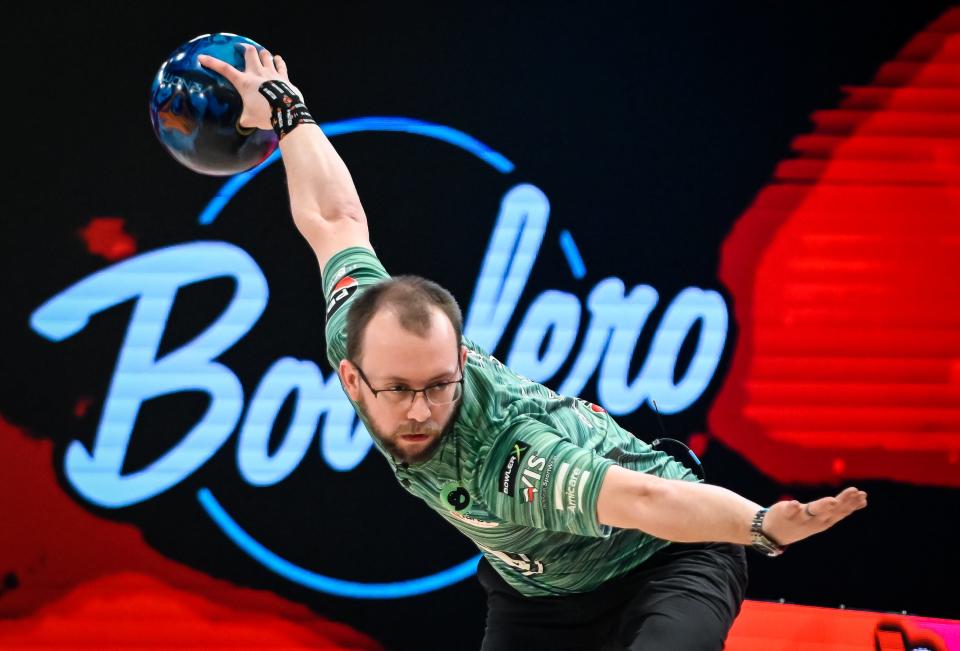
(391, 443)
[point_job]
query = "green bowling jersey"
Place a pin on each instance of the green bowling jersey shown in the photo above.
(531, 461)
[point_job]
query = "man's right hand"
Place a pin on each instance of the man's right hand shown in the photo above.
(260, 67)
(323, 199)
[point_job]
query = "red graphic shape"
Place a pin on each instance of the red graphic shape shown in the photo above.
(106, 237)
(844, 277)
(698, 444)
(137, 611)
(68, 559)
(345, 282)
(82, 406)
(763, 626)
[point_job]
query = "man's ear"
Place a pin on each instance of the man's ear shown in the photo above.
(463, 356)
(350, 379)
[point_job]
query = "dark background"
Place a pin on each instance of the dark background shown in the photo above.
(649, 129)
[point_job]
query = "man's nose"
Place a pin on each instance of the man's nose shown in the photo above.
(419, 409)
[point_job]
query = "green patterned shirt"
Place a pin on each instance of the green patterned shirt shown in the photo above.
(532, 462)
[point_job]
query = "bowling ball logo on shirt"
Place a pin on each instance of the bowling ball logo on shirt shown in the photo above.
(454, 497)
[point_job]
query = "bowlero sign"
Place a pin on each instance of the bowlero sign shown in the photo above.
(614, 312)
(841, 278)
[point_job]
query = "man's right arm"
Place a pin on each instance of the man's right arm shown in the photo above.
(323, 199)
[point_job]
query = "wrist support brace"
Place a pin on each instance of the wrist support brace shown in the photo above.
(287, 110)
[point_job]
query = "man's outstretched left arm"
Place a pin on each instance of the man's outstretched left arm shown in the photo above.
(683, 511)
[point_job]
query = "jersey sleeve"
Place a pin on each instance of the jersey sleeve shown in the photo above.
(345, 277)
(533, 477)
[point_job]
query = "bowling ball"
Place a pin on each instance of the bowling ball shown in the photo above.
(194, 110)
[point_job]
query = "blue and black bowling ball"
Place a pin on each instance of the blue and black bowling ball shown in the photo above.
(195, 110)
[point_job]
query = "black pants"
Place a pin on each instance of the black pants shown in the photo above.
(683, 598)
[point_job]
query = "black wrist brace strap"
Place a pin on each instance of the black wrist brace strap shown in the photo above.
(286, 107)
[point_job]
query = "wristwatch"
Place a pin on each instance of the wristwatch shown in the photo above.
(761, 541)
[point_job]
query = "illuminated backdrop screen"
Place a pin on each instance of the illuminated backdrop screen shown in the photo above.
(748, 217)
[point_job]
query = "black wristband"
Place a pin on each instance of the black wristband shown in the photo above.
(287, 110)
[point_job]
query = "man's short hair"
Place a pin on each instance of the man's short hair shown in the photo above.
(411, 298)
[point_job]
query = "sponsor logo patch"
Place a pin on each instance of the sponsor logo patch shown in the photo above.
(508, 473)
(568, 488)
(341, 272)
(531, 476)
(571, 490)
(545, 485)
(520, 562)
(472, 521)
(342, 291)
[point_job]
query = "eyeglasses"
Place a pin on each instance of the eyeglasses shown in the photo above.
(438, 395)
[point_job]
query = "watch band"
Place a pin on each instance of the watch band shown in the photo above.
(761, 541)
